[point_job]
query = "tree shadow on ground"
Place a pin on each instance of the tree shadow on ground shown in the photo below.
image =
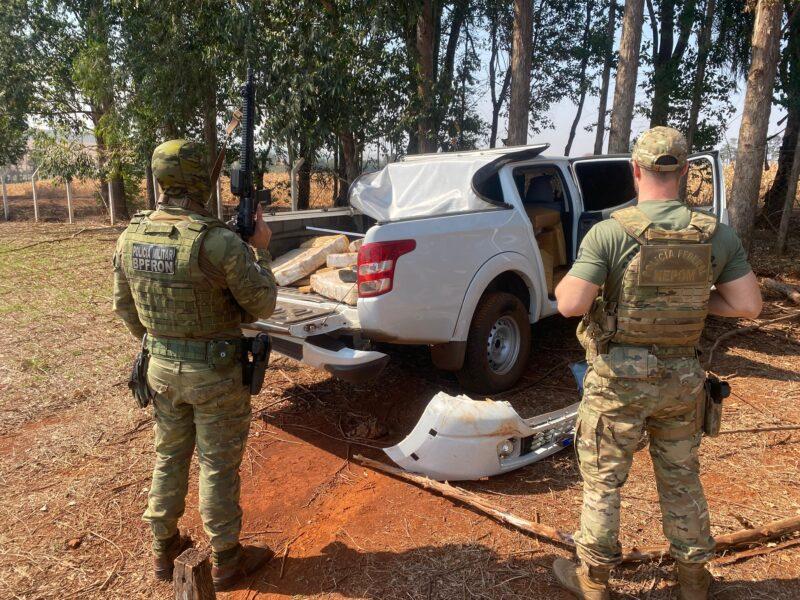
(437, 572)
(472, 570)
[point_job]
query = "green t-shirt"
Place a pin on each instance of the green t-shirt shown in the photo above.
(606, 250)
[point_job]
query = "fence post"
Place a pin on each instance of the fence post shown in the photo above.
(35, 199)
(69, 202)
(111, 202)
(6, 212)
(220, 216)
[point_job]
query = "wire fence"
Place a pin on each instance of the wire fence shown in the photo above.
(49, 200)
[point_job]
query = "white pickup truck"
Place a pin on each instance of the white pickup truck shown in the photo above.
(460, 252)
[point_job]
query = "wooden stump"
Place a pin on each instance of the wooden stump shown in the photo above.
(192, 576)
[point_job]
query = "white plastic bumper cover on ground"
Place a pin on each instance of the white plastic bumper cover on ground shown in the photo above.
(459, 439)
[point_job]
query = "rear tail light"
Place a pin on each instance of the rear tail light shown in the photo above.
(376, 264)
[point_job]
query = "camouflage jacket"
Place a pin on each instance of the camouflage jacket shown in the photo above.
(225, 260)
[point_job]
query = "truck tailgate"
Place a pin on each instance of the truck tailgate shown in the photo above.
(298, 329)
(304, 315)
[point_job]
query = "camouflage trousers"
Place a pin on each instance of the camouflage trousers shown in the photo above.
(207, 407)
(611, 419)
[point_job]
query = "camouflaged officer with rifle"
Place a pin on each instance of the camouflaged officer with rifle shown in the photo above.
(184, 283)
(653, 266)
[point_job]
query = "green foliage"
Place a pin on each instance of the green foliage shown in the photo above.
(135, 72)
(16, 85)
(61, 157)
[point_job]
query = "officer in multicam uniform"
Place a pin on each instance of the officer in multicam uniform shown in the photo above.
(656, 263)
(188, 282)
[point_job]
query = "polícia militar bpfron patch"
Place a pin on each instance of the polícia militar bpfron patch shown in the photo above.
(675, 265)
(154, 258)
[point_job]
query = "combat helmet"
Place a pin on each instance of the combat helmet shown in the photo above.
(182, 170)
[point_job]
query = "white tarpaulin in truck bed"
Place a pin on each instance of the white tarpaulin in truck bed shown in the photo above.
(434, 185)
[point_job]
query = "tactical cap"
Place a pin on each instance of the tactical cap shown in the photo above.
(660, 149)
(182, 170)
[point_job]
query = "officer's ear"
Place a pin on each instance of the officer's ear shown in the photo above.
(637, 170)
(685, 169)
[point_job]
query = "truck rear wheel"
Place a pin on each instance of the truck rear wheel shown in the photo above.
(498, 344)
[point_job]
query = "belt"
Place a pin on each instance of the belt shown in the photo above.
(211, 351)
(664, 351)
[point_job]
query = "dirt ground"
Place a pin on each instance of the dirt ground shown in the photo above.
(75, 458)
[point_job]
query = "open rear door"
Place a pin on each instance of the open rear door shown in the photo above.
(605, 184)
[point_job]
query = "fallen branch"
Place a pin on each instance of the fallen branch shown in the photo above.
(61, 239)
(473, 500)
(737, 539)
(791, 292)
(734, 558)
(741, 330)
(745, 537)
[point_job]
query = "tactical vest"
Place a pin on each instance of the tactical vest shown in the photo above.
(172, 295)
(663, 301)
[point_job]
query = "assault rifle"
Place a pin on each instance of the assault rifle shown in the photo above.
(244, 222)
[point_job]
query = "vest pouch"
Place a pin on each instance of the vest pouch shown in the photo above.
(596, 330)
(627, 363)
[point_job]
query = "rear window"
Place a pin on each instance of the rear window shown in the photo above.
(605, 183)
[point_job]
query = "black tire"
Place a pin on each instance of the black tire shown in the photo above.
(487, 372)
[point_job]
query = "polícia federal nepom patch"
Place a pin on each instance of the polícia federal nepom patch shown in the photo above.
(152, 258)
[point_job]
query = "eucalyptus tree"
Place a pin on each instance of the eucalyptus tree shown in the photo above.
(79, 81)
(327, 73)
(16, 84)
(755, 118)
(627, 75)
(788, 97)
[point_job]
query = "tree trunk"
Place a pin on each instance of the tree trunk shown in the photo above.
(704, 47)
(151, 192)
(788, 205)
(583, 84)
(627, 73)
(425, 77)
(520, 101)
(662, 56)
(611, 30)
(117, 196)
(458, 16)
(774, 198)
(349, 164)
(210, 119)
(789, 70)
(668, 54)
(755, 119)
(304, 185)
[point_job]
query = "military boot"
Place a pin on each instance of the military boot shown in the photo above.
(164, 561)
(585, 582)
(232, 565)
(694, 579)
